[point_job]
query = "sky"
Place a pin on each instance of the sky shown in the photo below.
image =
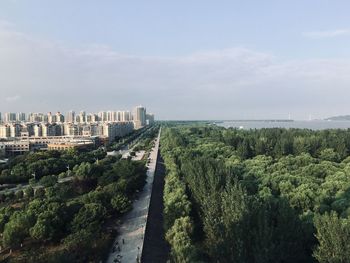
(184, 59)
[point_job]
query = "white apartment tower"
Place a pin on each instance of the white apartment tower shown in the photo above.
(71, 116)
(20, 116)
(10, 117)
(139, 117)
(59, 117)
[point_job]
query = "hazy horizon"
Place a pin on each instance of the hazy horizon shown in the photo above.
(197, 60)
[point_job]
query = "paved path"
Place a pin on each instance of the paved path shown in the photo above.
(138, 155)
(132, 228)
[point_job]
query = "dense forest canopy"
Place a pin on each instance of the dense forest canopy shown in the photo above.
(268, 195)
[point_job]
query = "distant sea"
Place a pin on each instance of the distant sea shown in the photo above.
(313, 125)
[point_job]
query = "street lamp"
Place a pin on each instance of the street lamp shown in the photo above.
(68, 171)
(138, 255)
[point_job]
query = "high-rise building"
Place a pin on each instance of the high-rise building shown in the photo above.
(82, 117)
(4, 131)
(70, 117)
(20, 116)
(51, 118)
(10, 117)
(124, 116)
(114, 116)
(51, 130)
(37, 117)
(59, 117)
(150, 118)
(71, 129)
(102, 116)
(139, 117)
(91, 118)
(38, 131)
(111, 116)
(15, 130)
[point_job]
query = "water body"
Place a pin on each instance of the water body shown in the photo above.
(313, 125)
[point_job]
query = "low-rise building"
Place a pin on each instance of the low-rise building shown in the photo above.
(77, 145)
(117, 129)
(5, 131)
(17, 147)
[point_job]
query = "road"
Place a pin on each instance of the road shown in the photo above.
(155, 248)
(128, 245)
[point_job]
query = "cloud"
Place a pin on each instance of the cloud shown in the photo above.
(327, 34)
(13, 98)
(6, 24)
(215, 84)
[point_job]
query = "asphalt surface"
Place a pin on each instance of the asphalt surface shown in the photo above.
(155, 248)
(128, 245)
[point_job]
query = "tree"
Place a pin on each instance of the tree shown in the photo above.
(90, 216)
(179, 237)
(5, 214)
(39, 192)
(49, 180)
(42, 230)
(17, 229)
(329, 155)
(83, 171)
(19, 194)
(244, 149)
(120, 203)
(79, 240)
(29, 192)
(333, 235)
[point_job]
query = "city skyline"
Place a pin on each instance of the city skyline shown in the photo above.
(20, 133)
(138, 115)
(198, 60)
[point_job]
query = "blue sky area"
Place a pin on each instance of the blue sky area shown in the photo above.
(300, 39)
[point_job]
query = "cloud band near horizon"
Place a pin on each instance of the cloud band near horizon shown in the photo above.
(218, 84)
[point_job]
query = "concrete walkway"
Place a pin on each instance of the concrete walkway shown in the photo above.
(128, 245)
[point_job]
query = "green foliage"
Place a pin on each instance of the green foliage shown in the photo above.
(19, 194)
(49, 180)
(329, 155)
(70, 215)
(39, 192)
(333, 235)
(120, 203)
(29, 192)
(176, 202)
(17, 229)
(89, 217)
(83, 171)
(251, 195)
(79, 240)
(179, 237)
(22, 168)
(42, 230)
(5, 214)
